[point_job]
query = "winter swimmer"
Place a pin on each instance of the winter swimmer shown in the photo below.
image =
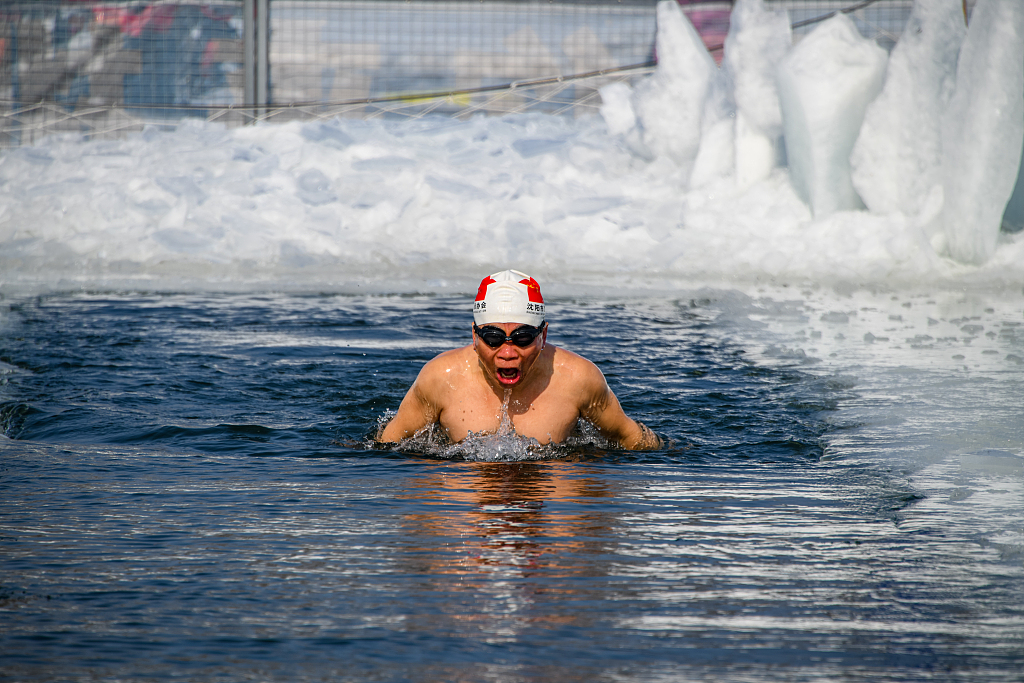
(511, 371)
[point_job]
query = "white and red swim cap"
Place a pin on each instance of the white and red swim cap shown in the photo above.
(508, 297)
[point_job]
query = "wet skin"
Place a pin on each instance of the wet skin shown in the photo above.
(548, 390)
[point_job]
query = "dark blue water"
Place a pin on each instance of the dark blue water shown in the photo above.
(187, 491)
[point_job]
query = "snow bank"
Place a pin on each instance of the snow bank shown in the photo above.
(663, 188)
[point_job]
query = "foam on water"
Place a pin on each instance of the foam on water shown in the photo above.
(501, 445)
(504, 445)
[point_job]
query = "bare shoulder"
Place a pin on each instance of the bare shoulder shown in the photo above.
(430, 393)
(583, 374)
(448, 360)
(441, 370)
(598, 403)
(574, 362)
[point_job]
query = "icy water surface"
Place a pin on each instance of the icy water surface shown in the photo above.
(188, 492)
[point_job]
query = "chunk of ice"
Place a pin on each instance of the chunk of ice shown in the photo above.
(531, 147)
(385, 163)
(983, 130)
(670, 105)
(897, 157)
(315, 188)
(183, 187)
(329, 134)
(757, 42)
(1013, 217)
(825, 84)
(617, 108)
(455, 187)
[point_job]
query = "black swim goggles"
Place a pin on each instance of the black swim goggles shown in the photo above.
(521, 336)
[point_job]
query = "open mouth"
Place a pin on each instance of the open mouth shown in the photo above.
(508, 375)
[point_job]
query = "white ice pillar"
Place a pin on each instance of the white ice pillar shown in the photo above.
(670, 105)
(897, 159)
(758, 40)
(825, 84)
(983, 130)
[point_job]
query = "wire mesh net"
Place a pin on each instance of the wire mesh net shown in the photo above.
(103, 68)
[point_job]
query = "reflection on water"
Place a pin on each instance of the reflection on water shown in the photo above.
(509, 515)
(505, 531)
(365, 568)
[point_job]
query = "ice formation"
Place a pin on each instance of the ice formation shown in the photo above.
(671, 104)
(665, 186)
(825, 85)
(1013, 217)
(758, 40)
(617, 108)
(983, 129)
(897, 158)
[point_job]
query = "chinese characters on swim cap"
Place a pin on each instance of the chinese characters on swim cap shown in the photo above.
(509, 297)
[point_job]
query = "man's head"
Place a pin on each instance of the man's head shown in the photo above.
(509, 331)
(509, 297)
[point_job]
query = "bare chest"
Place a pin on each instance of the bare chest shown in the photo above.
(547, 417)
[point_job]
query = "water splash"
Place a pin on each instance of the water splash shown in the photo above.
(505, 426)
(501, 445)
(505, 445)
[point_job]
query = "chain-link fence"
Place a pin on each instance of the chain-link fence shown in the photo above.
(101, 68)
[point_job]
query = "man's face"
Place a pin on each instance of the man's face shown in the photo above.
(508, 364)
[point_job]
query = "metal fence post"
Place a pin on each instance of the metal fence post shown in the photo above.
(15, 83)
(249, 55)
(257, 66)
(262, 56)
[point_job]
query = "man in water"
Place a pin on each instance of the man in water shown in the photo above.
(510, 369)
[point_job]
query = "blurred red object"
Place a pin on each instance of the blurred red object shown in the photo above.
(711, 19)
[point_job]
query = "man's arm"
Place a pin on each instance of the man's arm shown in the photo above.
(414, 413)
(604, 411)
